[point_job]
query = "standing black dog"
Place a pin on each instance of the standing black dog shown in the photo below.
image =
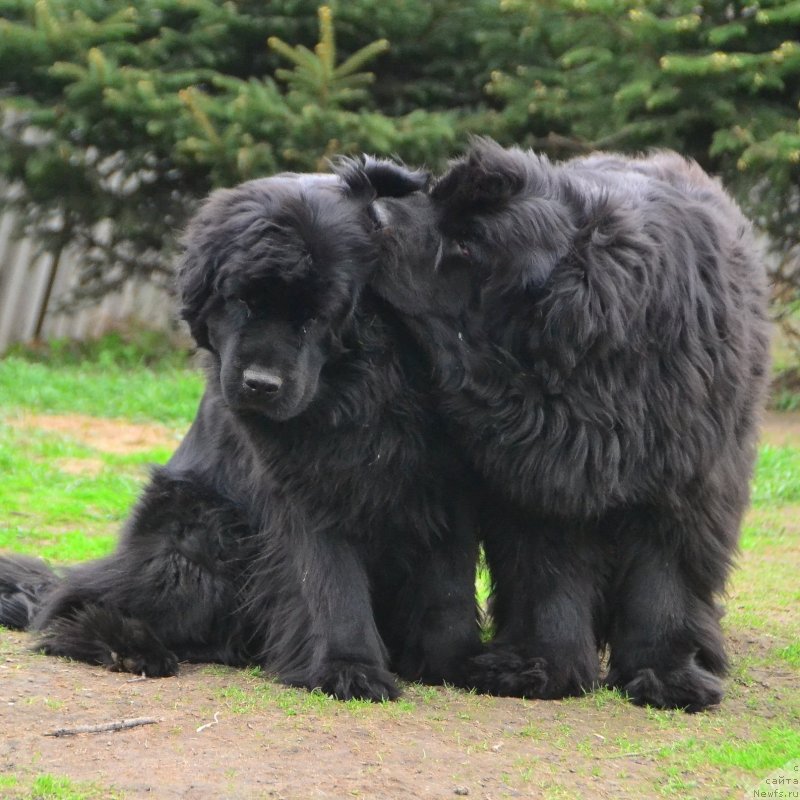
(607, 380)
(314, 520)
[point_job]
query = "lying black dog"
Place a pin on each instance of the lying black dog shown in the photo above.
(314, 520)
(600, 340)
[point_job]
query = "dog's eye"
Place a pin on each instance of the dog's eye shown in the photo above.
(461, 249)
(308, 325)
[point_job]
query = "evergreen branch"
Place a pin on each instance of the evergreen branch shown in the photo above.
(359, 80)
(299, 81)
(45, 21)
(316, 75)
(66, 70)
(360, 57)
(326, 48)
(345, 95)
(189, 98)
(299, 55)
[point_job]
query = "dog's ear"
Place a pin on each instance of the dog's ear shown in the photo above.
(195, 282)
(487, 176)
(198, 265)
(379, 177)
(195, 291)
(390, 179)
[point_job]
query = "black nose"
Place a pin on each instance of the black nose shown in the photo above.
(262, 381)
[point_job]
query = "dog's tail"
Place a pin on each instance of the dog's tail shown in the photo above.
(24, 583)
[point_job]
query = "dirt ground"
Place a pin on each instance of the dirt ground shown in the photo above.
(781, 428)
(106, 435)
(222, 733)
(437, 743)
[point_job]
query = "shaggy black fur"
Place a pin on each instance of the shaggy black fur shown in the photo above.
(313, 520)
(600, 340)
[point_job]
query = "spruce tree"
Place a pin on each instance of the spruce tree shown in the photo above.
(116, 120)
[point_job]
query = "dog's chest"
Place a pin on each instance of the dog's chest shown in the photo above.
(358, 474)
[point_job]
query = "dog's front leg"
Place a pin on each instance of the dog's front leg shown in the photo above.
(322, 632)
(349, 659)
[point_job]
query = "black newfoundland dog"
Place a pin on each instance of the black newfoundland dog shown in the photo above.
(314, 520)
(600, 341)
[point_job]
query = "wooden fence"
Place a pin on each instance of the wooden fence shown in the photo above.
(32, 286)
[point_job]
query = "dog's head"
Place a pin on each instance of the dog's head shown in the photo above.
(271, 273)
(406, 224)
(495, 219)
(503, 214)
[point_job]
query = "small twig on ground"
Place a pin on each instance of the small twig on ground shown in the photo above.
(642, 754)
(122, 725)
(209, 724)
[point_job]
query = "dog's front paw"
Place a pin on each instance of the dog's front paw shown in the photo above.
(354, 680)
(504, 671)
(689, 687)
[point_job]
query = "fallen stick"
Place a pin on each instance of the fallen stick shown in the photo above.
(641, 754)
(105, 726)
(209, 724)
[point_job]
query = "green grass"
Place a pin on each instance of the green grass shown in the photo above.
(60, 498)
(64, 547)
(762, 750)
(53, 787)
(766, 596)
(252, 691)
(34, 484)
(128, 349)
(777, 477)
(785, 400)
(138, 393)
(769, 527)
(791, 655)
(50, 511)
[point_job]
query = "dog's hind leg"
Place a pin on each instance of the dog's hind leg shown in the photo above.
(105, 636)
(82, 619)
(168, 592)
(667, 648)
